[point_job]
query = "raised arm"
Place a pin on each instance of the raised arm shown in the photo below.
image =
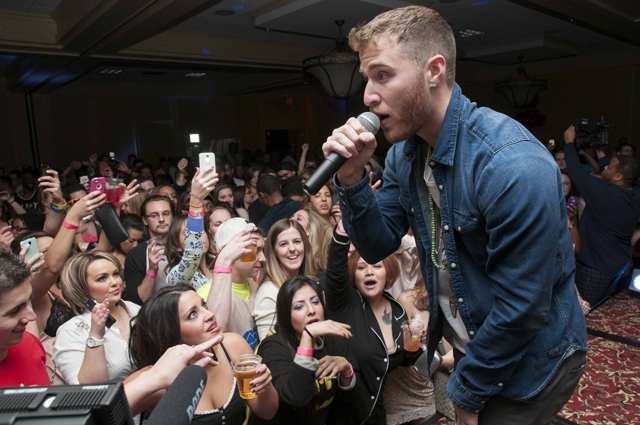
(336, 283)
(303, 158)
(58, 252)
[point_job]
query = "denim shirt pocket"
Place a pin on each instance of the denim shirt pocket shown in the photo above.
(471, 233)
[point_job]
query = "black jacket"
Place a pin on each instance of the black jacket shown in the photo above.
(346, 305)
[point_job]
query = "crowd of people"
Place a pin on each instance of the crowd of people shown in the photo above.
(450, 230)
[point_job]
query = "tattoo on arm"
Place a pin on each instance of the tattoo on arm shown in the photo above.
(386, 317)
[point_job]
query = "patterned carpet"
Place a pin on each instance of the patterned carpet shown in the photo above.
(609, 392)
(618, 316)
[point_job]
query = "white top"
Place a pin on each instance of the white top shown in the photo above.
(453, 328)
(71, 341)
(264, 308)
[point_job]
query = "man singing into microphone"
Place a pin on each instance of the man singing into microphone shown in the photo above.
(485, 202)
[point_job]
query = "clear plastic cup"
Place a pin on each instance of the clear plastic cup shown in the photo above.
(244, 368)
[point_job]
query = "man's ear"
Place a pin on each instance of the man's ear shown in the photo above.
(436, 70)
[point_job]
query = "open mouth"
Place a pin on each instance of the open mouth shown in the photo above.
(293, 257)
(313, 321)
(213, 328)
(19, 330)
(370, 283)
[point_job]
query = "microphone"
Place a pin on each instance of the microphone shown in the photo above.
(333, 162)
(181, 399)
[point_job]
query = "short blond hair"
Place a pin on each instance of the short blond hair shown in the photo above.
(419, 31)
(74, 278)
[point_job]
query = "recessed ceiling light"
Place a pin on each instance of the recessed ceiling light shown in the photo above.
(469, 33)
(195, 74)
(224, 12)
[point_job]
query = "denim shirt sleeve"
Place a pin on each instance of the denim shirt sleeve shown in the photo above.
(362, 212)
(520, 204)
(185, 271)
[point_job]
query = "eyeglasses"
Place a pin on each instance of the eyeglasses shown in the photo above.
(155, 215)
(18, 228)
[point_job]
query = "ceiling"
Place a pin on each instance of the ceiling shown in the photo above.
(240, 46)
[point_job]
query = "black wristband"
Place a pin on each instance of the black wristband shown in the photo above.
(309, 333)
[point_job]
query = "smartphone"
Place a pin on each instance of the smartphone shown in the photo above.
(552, 142)
(113, 164)
(84, 181)
(98, 183)
(44, 168)
(92, 303)
(33, 248)
(572, 202)
(207, 160)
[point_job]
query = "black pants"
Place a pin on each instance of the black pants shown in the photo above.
(540, 409)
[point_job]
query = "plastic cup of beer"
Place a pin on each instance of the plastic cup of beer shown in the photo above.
(250, 257)
(113, 190)
(244, 368)
(411, 334)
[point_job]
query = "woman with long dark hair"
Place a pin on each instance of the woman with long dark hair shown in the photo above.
(177, 315)
(308, 356)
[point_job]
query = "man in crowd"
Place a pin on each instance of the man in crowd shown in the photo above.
(144, 268)
(28, 196)
(285, 170)
(22, 357)
(234, 286)
(270, 194)
(484, 199)
(608, 220)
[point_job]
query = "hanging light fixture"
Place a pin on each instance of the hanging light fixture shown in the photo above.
(337, 69)
(519, 89)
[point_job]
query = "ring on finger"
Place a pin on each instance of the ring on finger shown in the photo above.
(194, 349)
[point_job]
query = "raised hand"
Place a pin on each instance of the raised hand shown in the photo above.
(128, 192)
(86, 206)
(99, 316)
(202, 183)
(51, 186)
(6, 237)
(237, 247)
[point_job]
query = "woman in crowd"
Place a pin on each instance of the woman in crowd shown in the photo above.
(213, 219)
(322, 202)
(87, 349)
(308, 356)
(315, 227)
(239, 197)
(132, 206)
(188, 242)
(407, 394)
(355, 295)
(288, 254)
(251, 180)
(134, 226)
(177, 315)
(26, 223)
(169, 192)
(87, 232)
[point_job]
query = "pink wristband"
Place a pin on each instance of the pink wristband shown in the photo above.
(221, 269)
(151, 274)
(196, 214)
(350, 373)
(68, 225)
(305, 351)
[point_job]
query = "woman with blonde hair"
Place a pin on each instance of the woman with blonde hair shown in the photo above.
(316, 228)
(89, 348)
(288, 253)
(132, 206)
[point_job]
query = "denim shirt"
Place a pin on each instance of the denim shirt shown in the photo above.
(509, 252)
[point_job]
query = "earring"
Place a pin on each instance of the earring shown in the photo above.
(433, 84)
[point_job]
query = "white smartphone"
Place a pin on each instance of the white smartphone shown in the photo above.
(207, 160)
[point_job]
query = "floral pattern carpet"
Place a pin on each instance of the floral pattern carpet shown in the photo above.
(609, 391)
(619, 316)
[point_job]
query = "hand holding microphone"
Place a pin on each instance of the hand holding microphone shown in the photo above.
(347, 151)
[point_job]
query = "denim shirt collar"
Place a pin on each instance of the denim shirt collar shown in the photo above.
(446, 143)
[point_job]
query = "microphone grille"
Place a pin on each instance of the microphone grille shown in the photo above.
(370, 122)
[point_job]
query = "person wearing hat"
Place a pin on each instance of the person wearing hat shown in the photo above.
(233, 288)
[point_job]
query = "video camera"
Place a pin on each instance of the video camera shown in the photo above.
(592, 137)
